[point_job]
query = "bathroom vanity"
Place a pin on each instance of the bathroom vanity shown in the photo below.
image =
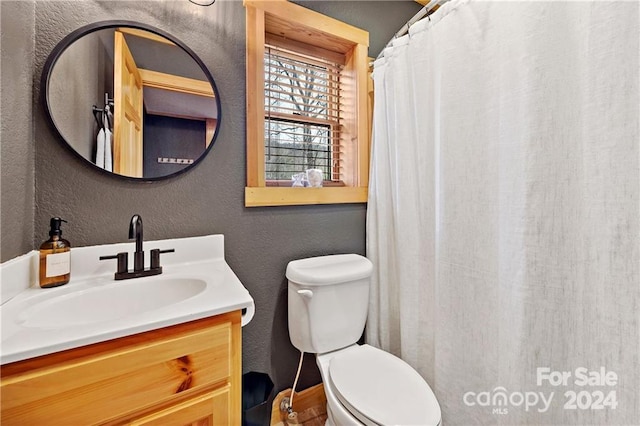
(150, 362)
(185, 374)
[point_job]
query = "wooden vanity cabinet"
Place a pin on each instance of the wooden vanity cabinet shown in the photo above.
(187, 374)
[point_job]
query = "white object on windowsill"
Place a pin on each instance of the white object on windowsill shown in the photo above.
(315, 178)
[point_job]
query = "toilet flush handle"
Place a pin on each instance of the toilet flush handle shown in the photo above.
(307, 294)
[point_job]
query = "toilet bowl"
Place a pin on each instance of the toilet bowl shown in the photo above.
(367, 386)
(364, 385)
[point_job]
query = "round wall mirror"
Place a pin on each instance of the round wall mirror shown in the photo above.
(131, 100)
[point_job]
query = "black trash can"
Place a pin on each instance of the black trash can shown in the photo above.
(257, 397)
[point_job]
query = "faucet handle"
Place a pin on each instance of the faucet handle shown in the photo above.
(155, 257)
(123, 261)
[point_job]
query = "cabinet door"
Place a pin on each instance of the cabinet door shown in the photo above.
(113, 380)
(209, 409)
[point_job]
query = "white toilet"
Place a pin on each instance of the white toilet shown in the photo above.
(328, 303)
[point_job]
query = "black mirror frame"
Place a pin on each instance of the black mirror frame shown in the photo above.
(96, 26)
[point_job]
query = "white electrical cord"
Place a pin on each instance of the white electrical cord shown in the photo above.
(295, 382)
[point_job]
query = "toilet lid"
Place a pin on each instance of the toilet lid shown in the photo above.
(379, 388)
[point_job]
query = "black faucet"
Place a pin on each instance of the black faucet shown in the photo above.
(123, 273)
(135, 231)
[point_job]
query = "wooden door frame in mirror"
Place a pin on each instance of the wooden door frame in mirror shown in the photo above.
(109, 24)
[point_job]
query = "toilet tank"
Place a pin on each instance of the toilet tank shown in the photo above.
(328, 301)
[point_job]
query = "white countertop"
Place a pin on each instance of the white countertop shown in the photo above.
(27, 334)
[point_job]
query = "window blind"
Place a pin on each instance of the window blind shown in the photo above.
(302, 115)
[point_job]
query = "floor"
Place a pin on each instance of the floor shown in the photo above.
(309, 417)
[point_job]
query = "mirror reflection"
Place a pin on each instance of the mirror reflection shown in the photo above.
(132, 102)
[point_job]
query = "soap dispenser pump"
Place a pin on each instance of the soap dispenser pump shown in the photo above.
(55, 257)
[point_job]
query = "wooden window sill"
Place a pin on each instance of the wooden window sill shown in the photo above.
(287, 183)
(289, 196)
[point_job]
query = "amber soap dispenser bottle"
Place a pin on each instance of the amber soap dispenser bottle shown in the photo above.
(55, 257)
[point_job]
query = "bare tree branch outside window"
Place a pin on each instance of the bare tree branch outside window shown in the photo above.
(301, 112)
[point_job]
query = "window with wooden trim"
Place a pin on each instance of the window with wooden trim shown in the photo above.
(307, 99)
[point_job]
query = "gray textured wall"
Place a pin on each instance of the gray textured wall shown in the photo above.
(16, 132)
(208, 199)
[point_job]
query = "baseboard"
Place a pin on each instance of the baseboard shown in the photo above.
(310, 404)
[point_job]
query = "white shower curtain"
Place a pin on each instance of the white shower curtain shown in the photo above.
(504, 210)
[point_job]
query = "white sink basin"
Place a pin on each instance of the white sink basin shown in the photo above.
(196, 283)
(111, 302)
